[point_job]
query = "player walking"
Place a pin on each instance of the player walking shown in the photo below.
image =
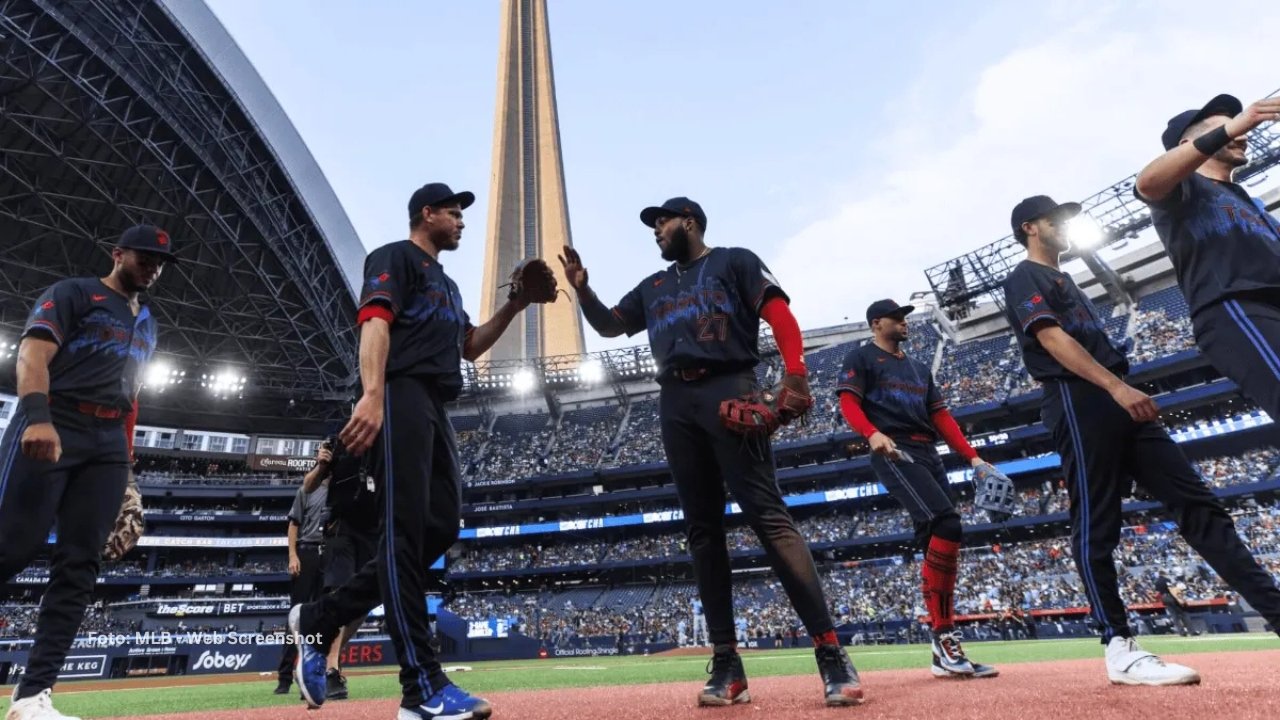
(1106, 433)
(67, 450)
(703, 317)
(414, 335)
(890, 399)
(1224, 245)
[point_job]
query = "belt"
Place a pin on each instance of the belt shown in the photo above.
(914, 437)
(689, 374)
(309, 543)
(105, 412)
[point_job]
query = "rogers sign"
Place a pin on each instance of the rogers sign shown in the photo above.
(278, 462)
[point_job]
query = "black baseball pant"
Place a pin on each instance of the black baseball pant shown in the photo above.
(82, 492)
(415, 464)
(1177, 615)
(705, 457)
(1101, 449)
(920, 485)
(305, 587)
(1241, 337)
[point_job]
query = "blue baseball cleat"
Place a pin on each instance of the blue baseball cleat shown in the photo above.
(310, 667)
(450, 703)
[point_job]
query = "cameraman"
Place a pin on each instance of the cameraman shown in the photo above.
(351, 537)
(307, 520)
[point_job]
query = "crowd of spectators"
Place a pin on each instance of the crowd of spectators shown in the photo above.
(1031, 575)
(1157, 334)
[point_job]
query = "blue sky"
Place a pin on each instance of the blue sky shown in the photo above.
(850, 144)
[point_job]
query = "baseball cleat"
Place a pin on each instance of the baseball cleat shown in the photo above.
(948, 656)
(449, 703)
(728, 683)
(336, 685)
(35, 707)
(841, 685)
(310, 666)
(1129, 664)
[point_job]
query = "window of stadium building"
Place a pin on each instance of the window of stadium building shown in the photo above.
(165, 442)
(289, 447)
(266, 446)
(217, 443)
(191, 441)
(240, 445)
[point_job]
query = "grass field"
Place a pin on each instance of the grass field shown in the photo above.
(586, 672)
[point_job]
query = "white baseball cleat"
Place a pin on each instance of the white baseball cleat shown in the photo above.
(36, 707)
(1129, 664)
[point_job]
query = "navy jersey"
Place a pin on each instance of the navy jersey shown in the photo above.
(705, 315)
(102, 346)
(1220, 240)
(430, 325)
(1036, 293)
(898, 394)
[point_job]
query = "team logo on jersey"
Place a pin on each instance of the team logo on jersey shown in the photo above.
(97, 298)
(850, 374)
(377, 280)
(657, 282)
(1032, 302)
(48, 305)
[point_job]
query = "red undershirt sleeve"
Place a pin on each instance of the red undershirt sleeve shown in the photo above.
(786, 332)
(851, 408)
(950, 431)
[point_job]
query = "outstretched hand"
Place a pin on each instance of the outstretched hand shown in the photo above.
(574, 271)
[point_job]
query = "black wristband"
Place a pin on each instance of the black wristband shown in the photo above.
(36, 407)
(1212, 141)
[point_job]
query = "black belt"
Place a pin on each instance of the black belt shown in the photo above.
(693, 374)
(309, 544)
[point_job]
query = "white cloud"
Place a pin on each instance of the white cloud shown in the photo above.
(1080, 107)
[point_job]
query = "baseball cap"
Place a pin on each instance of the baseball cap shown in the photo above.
(681, 206)
(885, 308)
(1178, 124)
(437, 195)
(1038, 206)
(148, 238)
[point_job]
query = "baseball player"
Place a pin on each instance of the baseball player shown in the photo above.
(1224, 245)
(307, 520)
(414, 335)
(1107, 432)
(351, 539)
(890, 398)
(66, 453)
(702, 314)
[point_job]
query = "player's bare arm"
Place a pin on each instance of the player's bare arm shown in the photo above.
(599, 317)
(482, 338)
(317, 474)
(366, 419)
(1067, 351)
(40, 441)
(1158, 179)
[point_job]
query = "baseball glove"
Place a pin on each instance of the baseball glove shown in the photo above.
(993, 490)
(129, 525)
(759, 414)
(533, 282)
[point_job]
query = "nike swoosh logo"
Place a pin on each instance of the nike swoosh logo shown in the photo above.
(99, 298)
(434, 710)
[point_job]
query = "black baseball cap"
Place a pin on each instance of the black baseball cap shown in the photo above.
(681, 206)
(437, 195)
(148, 238)
(1038, 206)
(886, 308)
(1178, 124)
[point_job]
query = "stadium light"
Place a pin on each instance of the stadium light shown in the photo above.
(591, 371)
(523, 381)
(157, 374)
(1084, 232)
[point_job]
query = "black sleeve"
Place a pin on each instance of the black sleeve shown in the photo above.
(853, 375)
(386, 278)
(630, 312)
(1027, 296)
(56, 313)
(755, 283)
(933, 397)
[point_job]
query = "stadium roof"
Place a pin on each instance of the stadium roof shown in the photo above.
(146, 111)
